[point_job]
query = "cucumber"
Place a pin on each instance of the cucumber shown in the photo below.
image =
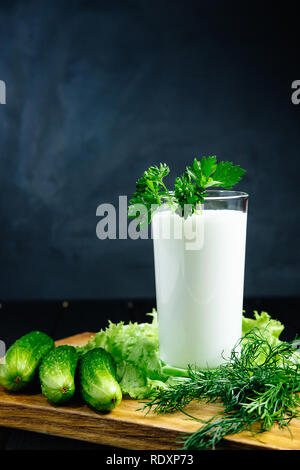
(22, 359)
(99, 386)
(57, 374)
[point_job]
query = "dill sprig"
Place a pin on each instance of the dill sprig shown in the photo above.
(258, 387)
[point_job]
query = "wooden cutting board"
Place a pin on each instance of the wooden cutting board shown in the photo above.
(125, 426)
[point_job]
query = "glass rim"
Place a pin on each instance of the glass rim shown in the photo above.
(225, 194)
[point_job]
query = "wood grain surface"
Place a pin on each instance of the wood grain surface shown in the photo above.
(126, 427)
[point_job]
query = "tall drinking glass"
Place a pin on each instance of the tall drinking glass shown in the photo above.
(200, 281)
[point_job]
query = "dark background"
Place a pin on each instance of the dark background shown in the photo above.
(97, 91)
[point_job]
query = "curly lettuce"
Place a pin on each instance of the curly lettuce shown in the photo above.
(269, 328)
(135, 348)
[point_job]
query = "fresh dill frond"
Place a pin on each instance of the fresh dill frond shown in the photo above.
(259, 386)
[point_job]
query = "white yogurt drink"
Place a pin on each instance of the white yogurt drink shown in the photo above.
(199, 289)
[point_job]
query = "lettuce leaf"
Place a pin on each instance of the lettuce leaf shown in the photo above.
(135, 382)
(269, 328)
(135, 348)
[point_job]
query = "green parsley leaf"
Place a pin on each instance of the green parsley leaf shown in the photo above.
(227, 175)
(189, 189)
(202, 170)
(150, 190)
(187, 195)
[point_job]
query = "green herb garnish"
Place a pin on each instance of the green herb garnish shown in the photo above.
(150, 192)
(256, 393)
(189, 189)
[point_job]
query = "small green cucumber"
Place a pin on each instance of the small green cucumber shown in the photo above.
(99, 386)
(57, 374)
(22, 359)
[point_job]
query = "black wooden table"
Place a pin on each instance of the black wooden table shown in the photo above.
(65, 318)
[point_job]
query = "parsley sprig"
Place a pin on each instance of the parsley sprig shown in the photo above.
(189, 189)
(150, 191)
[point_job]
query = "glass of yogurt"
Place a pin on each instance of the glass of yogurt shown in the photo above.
(199, 277)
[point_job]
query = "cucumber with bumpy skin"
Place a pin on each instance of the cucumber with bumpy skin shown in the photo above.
(99, 386)
(22, 359)
(57, 373)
